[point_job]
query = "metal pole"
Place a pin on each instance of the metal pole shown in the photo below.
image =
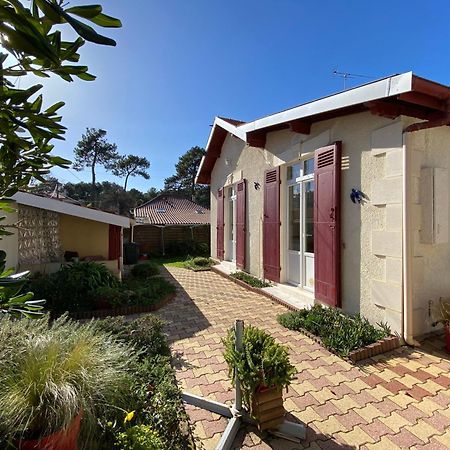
(239, 333)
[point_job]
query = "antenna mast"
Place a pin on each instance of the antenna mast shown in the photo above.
(346, 75)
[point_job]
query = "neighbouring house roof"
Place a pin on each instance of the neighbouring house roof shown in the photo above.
(405, 94)
(64, 207)
(171, 210)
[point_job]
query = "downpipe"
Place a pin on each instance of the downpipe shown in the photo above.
(407, 291)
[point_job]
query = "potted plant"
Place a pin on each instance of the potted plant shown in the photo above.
(443, 314)
(263, 369)
(57, 378)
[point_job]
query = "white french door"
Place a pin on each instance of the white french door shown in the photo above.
(231, 225)
(300, 224)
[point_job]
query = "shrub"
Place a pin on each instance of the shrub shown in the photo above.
(202, 262)
(145, 332)
(51, 372)
(157, 397)
(145, 270)
(262, 362)
(250, 279)
(150, 291)
(73, 286)
(112, 297)
(339, 332)
(187, 247)
(139, 437)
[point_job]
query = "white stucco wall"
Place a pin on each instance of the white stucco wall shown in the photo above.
(431, 261)
(371, 233)
(10, 244)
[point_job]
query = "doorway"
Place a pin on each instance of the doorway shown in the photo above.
(300, 224)
(231, 224)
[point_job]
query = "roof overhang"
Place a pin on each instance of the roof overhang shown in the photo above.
(51, 204)
(405, 94)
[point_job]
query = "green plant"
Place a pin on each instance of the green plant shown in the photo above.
(339, 332)
(262, 362)
(150, 291)
(202, 261)
(157, 398)
(112, 297)
(74, 285)
(12, 300)
(145, 333)
(32, 43)
(250, 279)
(139, 437)
(145, 269)
(442, 313)
(50, 372)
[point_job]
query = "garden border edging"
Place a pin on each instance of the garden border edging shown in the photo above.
(122, 310)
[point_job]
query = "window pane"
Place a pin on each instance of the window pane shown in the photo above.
(293, 172)
(309, 217)
(294, 217)
(230, 220)
(308, 167)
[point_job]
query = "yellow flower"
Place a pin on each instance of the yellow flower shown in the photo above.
(129, 417)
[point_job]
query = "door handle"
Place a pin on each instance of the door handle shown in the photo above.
(332, 214)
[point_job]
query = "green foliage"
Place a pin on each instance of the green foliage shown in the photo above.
(145, 333)
(250, 279)
(131, 166)
(12, 300)
(73, 286)
(262, 362)
(50, 372)
(339, 332)
(145, 269)
(92, 150)
(157, 398)
(112, 297)
(183, 182)
(197, 264)
(32, 43)
(151, 291)
(139, 437)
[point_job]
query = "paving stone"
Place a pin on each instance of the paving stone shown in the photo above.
(397, 400)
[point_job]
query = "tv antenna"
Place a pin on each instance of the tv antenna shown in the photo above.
(347, 75)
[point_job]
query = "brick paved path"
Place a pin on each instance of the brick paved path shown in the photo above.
(397, 400)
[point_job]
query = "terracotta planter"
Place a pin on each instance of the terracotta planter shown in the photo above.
(267, 407)
(65, 439)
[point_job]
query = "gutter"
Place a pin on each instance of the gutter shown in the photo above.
(407, 292)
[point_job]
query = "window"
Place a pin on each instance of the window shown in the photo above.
(300, 223)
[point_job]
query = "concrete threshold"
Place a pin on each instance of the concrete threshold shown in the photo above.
(290, 296)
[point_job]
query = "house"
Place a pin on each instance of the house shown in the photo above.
(346, 198)
(168, 220)
(47, 228)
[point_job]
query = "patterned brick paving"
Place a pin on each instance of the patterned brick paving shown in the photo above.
(396, 400)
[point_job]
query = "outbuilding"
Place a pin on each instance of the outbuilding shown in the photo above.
(343, 200)
(45, 229)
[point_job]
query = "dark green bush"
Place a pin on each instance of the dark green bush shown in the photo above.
(250, 279)
(201, 261)
(187, 247)
(73, 286)
(150, 291)
(145, 270)
(113, 297)
(339, 332)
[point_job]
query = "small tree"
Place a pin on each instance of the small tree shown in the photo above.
(32, 43)
(131, 166)
(94, 150)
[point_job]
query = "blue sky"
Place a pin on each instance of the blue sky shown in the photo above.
(180, 63)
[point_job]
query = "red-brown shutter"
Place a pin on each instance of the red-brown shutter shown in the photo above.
(271, 225)
(327, 224)
(114, 250)
(220, 225)
(241, 189)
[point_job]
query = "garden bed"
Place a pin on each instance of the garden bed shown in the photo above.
(88, 290)
(350, 337)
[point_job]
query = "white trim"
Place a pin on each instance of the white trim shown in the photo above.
(51, 204)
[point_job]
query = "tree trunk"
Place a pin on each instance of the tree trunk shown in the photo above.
(126, 182)
(94, 189)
